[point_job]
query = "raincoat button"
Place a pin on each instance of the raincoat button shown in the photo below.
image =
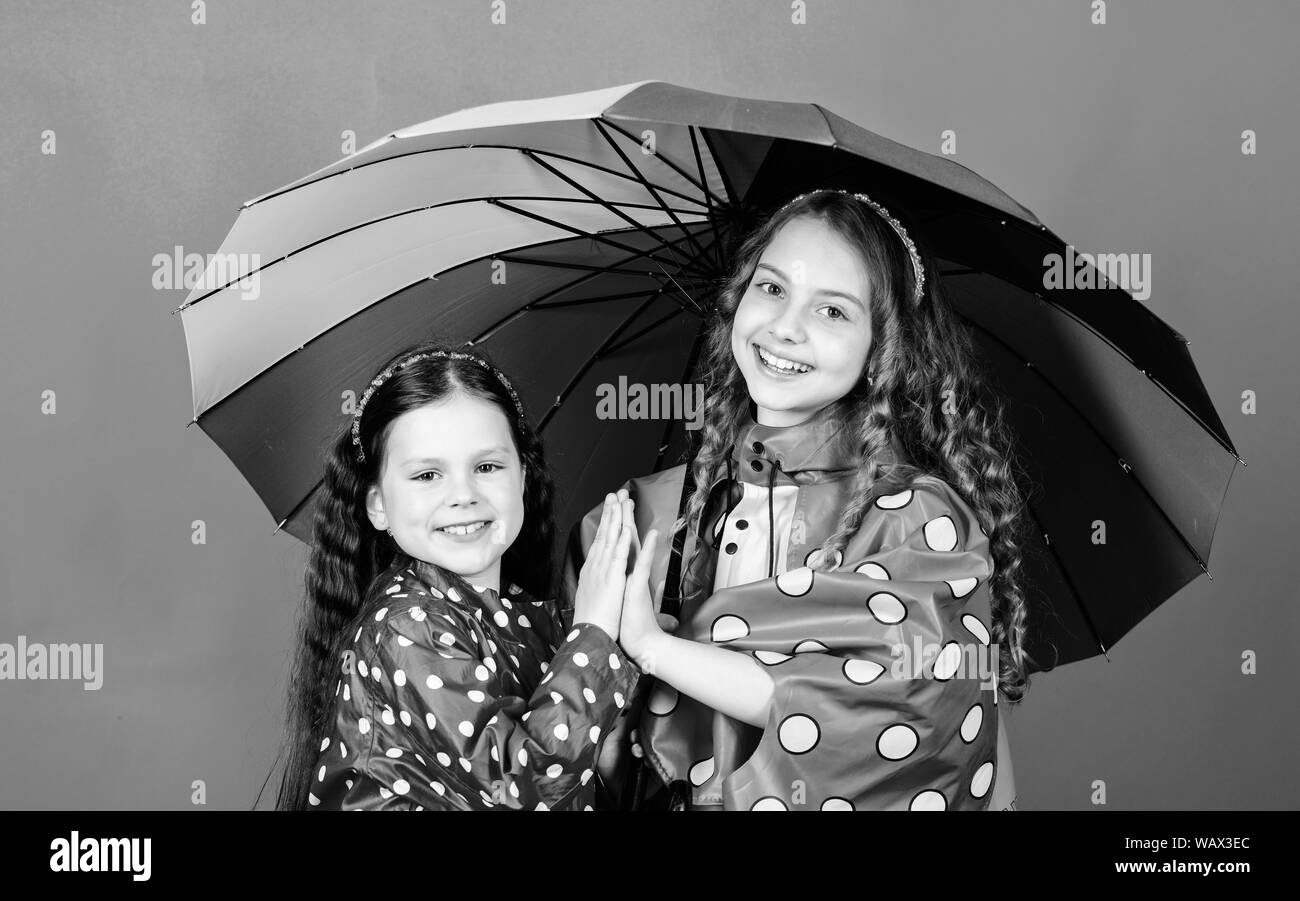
(757, 465)
(731, 547)
(742, 524)
(758, 447)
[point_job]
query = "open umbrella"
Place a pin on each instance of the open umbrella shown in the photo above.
(576, 239)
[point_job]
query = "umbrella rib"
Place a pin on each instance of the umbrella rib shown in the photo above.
(296, 507)
(582, 370)
(1161, 385)
(649, 187)
(649, 328)
(360, 225)
(684, 293)
(1065, 573)
(398, 156)
(733, 197)
(1100, 437)
(561, 304)
(536, 305)
(581, 267)
(506, 320)
(685, 380)
(595, 236)
(596, 270)
(699, 249)
(350, 317)
(1127, 358)
(623, 175)
(615, 210)
(703, 189)
(708, 197)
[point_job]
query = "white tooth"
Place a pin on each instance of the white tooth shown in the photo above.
(778, 363)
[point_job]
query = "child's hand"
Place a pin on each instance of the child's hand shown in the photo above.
(640, 626)
(601, 583)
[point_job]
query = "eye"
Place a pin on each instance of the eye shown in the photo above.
(760, 285)
(495, 466)
(420, 477)
(838, 311)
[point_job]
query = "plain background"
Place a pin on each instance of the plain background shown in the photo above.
(1123, 137)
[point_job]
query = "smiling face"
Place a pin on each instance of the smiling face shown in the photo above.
(803, 327)
(450, 464)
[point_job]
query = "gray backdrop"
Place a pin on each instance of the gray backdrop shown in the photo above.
(1122, 137)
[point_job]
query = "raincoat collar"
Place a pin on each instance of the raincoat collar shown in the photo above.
(433, 578)
(816, 450)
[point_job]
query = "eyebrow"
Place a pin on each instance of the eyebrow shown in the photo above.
(497, 449)
(824, 291)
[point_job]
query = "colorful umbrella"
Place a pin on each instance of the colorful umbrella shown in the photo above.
(577, 239)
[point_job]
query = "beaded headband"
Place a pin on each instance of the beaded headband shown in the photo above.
(897, 226)
(400, 364)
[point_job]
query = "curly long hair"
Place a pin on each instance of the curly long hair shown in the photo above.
(348, 556)
(926, 390)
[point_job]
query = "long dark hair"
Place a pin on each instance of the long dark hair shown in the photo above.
(928, 392)
(348, 554)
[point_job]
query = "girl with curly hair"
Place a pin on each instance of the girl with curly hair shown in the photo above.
(850, 606)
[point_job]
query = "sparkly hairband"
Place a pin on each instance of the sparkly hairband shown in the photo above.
(894, 223)
(400, 364)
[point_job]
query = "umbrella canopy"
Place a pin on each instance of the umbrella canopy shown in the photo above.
(577, 238)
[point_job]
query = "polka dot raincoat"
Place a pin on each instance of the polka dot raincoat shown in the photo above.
(447, 702)
(884, 667)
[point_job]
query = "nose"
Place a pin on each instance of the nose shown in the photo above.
(788, 326)
(462, 491)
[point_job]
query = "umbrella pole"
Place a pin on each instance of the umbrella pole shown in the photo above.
(672, 605)
(672, 600)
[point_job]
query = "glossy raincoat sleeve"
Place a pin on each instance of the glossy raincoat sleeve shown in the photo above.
(656, 499)
(883, 681)
(448, 731)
